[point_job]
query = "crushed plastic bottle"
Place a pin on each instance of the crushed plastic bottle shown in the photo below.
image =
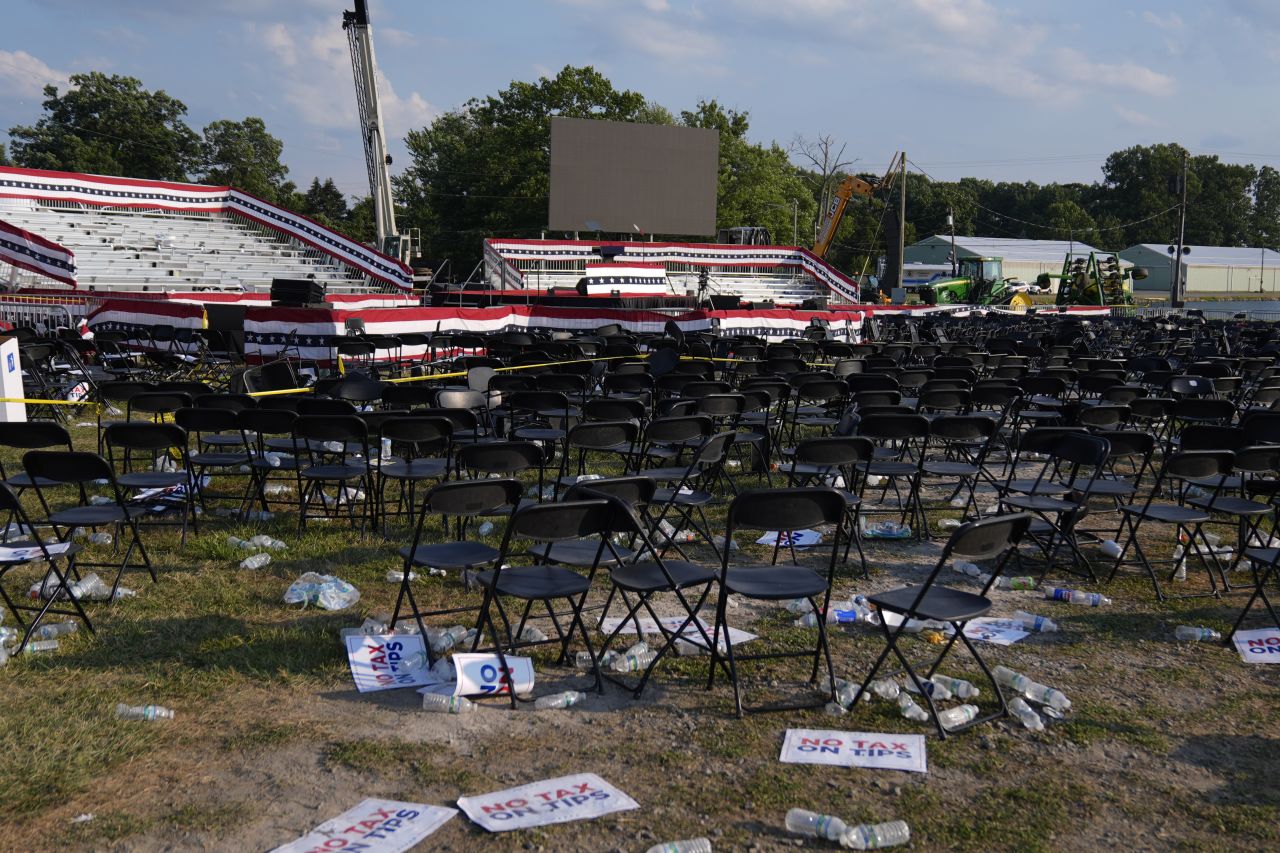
(910, 709)
(533, 634)
(397, 576)
(438, 704)
(954, 718)
(556, 701)
(885, 530)
(55, 629)
(277, 489)
(1075, 596)
(637, 649)
(1032, 622)
(1033, 690)
(1194, 634)
(448, 638)
(834, 709)
(964, 567)
(885, 688)
(582, 660)
(868, 836)
(143, 712)
(1004, 582)
(634, 663)
(1026, 714)
(948, 523)
(256, 561)
(237, 542)
(692, 845)
(444, 670)
(959, 687)
(937, 691)
(814, 825)
(847, 693)
(260, 515)
(264, 541)
(34, 646)
(99, 537)
(485, 529)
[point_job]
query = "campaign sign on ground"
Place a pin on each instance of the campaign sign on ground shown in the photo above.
(986, 629)
(16, 554)
(854, 749)
(790, 538)
(378, 661)
(1261, 645)
(671, 623)
(482, 675)
(578, 797)
(374, 826)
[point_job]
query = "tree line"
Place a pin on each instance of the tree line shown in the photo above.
(483, 170)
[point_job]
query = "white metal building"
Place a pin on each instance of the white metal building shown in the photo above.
(1209, 269)
(1023, 259)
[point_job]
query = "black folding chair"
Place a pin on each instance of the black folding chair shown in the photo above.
(987, 539)
(337, 451)
(544, 584)
(54, 469)
(12, 506)
(783, 510)
(152, 459)
(1269, 560)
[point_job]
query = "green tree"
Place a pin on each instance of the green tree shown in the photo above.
(1070, 221)
(1266, 208)
(242, 154)
(324, 203)
(483, 169)
(110, 125)
(1220, 212)
(4, 156)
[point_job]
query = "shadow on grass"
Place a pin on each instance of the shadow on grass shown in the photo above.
(1246, 763)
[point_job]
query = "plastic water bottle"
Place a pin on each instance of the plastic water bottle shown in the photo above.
(948, 523)
(1187, 634)
(438, 704)
(847, 693)
(397, 576)
(1031, 622)
(637, 649)
(237, 542)
(143, 712)
(910, 709)
(867, 836)
(444, 670)
(582, 660)
(686, 649)
(556, 701)
(814, 825)
(799, 605)
(485, 529)
(532, 634)
(885, 688)
(264, 541)
(959, 687)
(1026, 715)
(256, 561)
(100, 538)
(634, 663)
(834, 709)
(937, 691)
(259, 515)
(40, 646)
(692, 845)
(1111, 548)
(1075, 596)
(1033, 690)
(964, 567)
(1019, 582)
(954, 718)
(448, 638)
(55, 629)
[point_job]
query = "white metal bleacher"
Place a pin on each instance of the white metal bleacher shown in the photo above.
(121, 249)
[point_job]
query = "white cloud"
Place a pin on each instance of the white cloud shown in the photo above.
(24, 76)
(1132, 117)
(315, 79)
(1164, 21)
(657, 6)
(666, 40)
(394, 37)
(1077, 67)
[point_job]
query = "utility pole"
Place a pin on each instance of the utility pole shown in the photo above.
(951, 221)
(795, 222)
(1177, 294)
(902, 215)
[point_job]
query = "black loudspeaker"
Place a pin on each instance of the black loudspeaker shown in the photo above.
(817, 303)
(296, 292)
(610, 253)
(725, 301)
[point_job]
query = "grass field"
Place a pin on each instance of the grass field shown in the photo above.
(1167, 745)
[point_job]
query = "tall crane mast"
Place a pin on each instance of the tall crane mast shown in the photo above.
(848, 188)
(365, 71)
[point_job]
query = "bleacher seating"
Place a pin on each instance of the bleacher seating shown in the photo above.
(154, 250)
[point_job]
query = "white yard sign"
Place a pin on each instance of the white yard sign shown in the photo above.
(569, 798)
(854, 749)
(374, 826)
(378, 661)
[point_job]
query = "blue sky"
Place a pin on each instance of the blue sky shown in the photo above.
(1035, 90)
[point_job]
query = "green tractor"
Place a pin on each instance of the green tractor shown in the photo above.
(1094, 280)
(980, 281)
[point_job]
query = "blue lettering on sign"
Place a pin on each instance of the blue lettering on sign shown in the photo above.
(9, 362)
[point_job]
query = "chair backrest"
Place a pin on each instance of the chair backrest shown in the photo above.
(679, 428)
(207, 420)
(232, 402)
(501, 457)
(67, 466)
(613, 409)
(987, 538)
(634, 491)
(471, 498)
(33, 435)
(325, 406)
(833, 451)
(561, 521)
(787, 508)
(144, 436)
(602, 435)
(342, 428)
(421, 434)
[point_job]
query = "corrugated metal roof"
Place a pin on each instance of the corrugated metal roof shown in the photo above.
(1218, 256)
(1012, 249)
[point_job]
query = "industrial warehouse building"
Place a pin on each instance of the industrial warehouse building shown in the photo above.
(1023, 259)
(1209, 269)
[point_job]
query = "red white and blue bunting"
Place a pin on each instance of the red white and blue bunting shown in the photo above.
(32, 252)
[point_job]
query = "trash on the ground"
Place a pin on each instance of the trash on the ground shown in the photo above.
(485, 528)
(909, 709)
(948, 523)
(143, 712)
(582, 660)
(885, 688)
(264, 541)
(1031, 622)
(557, 701)
(1111, 548)
(90, 587)
(480, 674)
(954, 718)
(546, 802)
(847, 692)
(884, 529)
(51, 630)
(791, 538)
(958, 687)
(647, 626)
(532, 634)
(87, 816)
(397, 576)
(324, 591)
(1033, 690)
(1259, 645)
(383, 661)
(964, 567)
(1026, 714)
(271, 489)
(936, 690)
(862, 837)
(34, 646)
(441, 704)
(374, 826)
(989, 629)
(255, 561)
(634, 663)
(689, 845)
(443, 640)
(1075, 596)
(1195, 634)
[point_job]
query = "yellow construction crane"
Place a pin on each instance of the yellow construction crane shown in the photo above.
(847, 189)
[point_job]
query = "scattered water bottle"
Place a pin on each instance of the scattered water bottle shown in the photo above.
(264, 541)
(910, 709)
(814, 825)
(1025, 714)
(1111, 548)
(954, 718)
(277, 489)
(397, 576)
(686, 649)
(448, 638)
(847, 693)
(55, 629)
(259, 515)
(557, 701)
(1033, 690)
(416, 661)
(256, 561)
(692, 845)
(1020, 582)
(937, 691)
(444, 670)
(1032, 622)
(40, 646)
(637, 649)
(1075, 596)
(868, 836)
(885, 688)
(237, 542)
(1193, 634)
(634, 663)
(959, 687)
(886, 530)
(485, 529)
(532, 634)
(101, 500)
(799, 605)
(582, 660)
(835, 709)
(143, 712)
(948, 523)
(438, 704)
(964, 567)
(99, 538)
